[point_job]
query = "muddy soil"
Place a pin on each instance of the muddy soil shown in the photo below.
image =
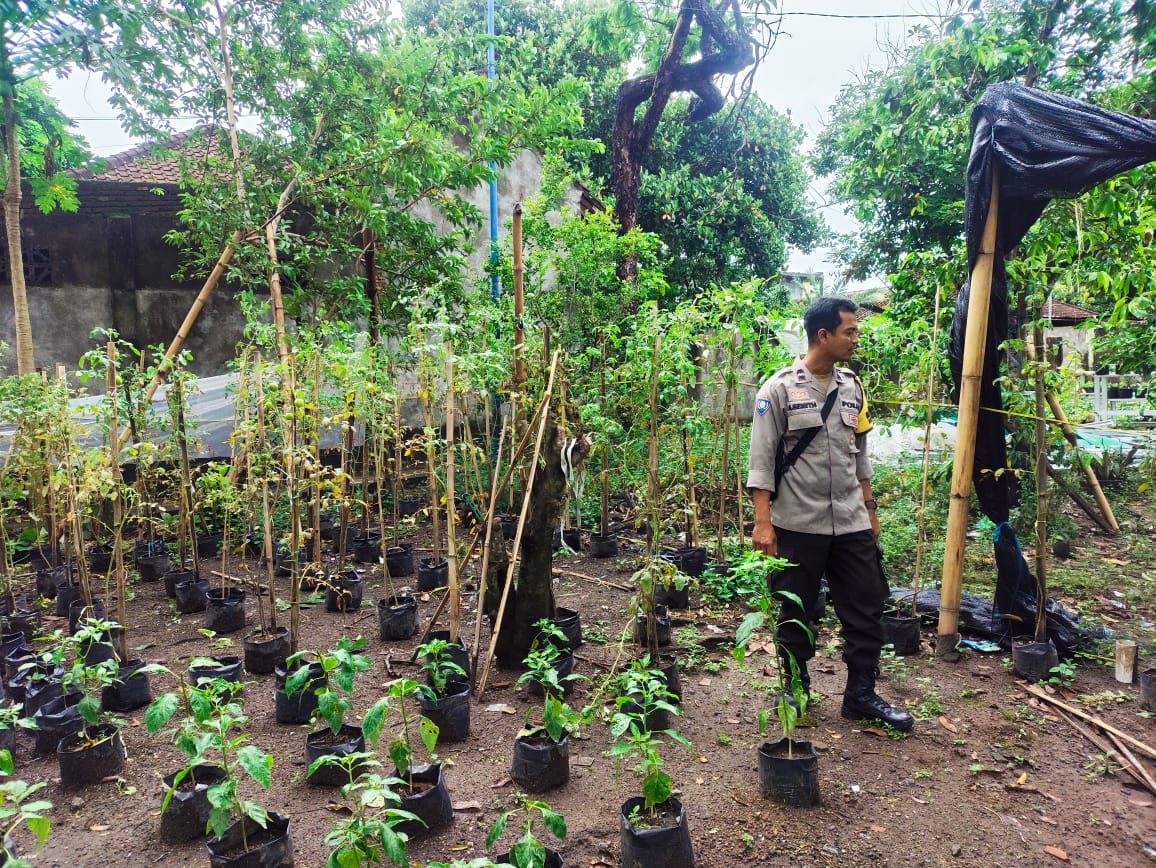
(990, 775)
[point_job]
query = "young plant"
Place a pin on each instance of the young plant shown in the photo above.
(335, 692)
(654, 573)
(212, 731)
(17, 808)
(644, 692)
(755, 563)
(401, 747)
(528, 851)
(439, 666)
(368, 835)
(791, 705)
(542, 660)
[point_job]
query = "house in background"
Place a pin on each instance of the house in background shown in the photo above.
(108, 265)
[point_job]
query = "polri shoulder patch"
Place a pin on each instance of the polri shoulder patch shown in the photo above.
(762, 405)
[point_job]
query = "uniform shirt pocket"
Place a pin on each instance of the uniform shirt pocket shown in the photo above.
(850, 424)
(800, 421)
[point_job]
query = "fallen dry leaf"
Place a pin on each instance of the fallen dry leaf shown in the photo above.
(467, 806)
(504, 782)
(947, 724)
(502, 707)
(874, 730)
(733, 721)
(1140, 803)
(1057, 852)
(919, 801)
(704, 682)
(1022, 779)
(1116, 562)
(99, 827)
(699, 781)
(879, 829)
(1049, 821)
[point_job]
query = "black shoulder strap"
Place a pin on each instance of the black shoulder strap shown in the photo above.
(784, 463)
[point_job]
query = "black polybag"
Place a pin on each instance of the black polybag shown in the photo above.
(1044, 146)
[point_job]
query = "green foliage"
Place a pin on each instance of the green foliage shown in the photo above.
(528, 851)
(212, 731)
(439, 665)
(17, 808)
(334, 688)
(402, 746)
(642, 693)
(368, 835)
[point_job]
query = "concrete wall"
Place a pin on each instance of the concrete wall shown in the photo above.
(110, 267)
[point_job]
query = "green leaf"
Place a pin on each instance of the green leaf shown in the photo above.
(255, 812)
(40, 827)
(429, 734)
(528, 851)
(555, 822)
(656, 788)
(160, 711)
(394, 845)
(374, 720)
(257, 763)
(89, 709)
(497, 830)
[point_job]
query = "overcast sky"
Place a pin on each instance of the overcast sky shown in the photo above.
(818, 52)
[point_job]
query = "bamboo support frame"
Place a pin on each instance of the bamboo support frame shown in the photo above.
(545, 412)
(975, 340)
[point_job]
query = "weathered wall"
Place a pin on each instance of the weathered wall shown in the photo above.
(109, 266)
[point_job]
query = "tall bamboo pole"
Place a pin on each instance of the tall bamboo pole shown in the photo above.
(117, 506)
(451, 536)
(519, 325)
(1041, 484)
(975, 339)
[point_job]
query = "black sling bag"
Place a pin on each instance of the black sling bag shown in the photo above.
(784, 463)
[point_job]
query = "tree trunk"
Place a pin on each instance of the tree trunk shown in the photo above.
(532, 597)
(25, 363)
(724, 51)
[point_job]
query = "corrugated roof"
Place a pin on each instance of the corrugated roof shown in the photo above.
(155, 162)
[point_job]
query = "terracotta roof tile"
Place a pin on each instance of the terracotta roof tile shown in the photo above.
(154, 162)
(1061, 310)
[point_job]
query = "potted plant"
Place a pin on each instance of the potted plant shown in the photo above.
(447, 700)
(212, 733)
(96, 751)
(788, 769)
(549, 663)
(369, 833)
(542, 750)
(528, 851)
(18, 808)
(226, 667)
(334, 691)
(653, 826)
(423, 788)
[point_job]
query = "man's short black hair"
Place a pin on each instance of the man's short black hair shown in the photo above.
(826, 312)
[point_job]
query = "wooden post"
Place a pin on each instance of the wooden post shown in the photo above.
(117, 508)
(1089, 471)
(451, 536)
(519, 325)
(975, 340)
(1041, 432)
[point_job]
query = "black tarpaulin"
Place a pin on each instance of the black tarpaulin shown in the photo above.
(1044, 146)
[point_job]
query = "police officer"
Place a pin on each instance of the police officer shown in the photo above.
(809, 455)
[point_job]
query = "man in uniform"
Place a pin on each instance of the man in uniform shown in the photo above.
(809, 455)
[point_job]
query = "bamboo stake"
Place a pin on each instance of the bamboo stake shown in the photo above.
(1109, 522)
(442, 605)
(451, 538)
(545, 411)
(195, 309)
(519, 325)
(266, 512)
(1041, 554)
(487, 539)
(975, 339)
(1136, 744)
(604, 495)
(289, 384)
(921, 538)
(315, 511)
(117, 507)
(190, 529)
(1137, 769)
(1080, 501)
(724, 469)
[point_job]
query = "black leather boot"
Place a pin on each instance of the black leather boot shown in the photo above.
(861, 702)
(804, 677)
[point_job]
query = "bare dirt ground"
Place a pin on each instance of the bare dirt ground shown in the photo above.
(990, 776)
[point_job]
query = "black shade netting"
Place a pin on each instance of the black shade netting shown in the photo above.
(1044, 146)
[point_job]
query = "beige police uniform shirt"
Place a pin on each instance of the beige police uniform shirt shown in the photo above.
(820, 493)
